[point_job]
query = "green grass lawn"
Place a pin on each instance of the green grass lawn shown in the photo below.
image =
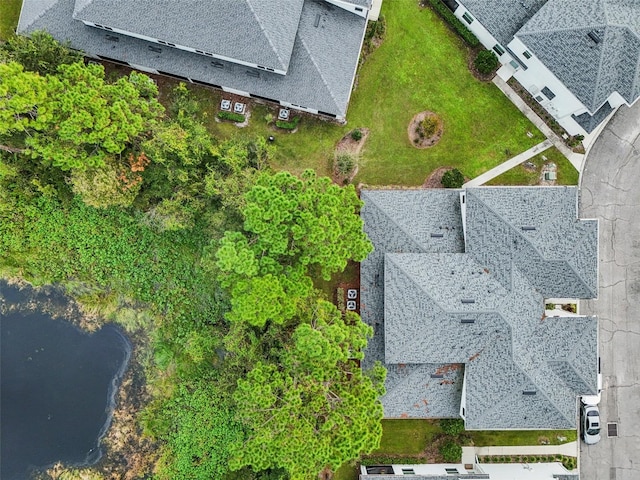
(406, 437)
(9, 13)
(420, 66)
(567, 174)
(489, 438)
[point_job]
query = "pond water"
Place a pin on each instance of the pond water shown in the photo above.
(58, 386)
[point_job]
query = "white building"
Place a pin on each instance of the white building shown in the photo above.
(579, 58)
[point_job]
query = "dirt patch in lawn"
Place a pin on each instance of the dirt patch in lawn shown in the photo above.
(346, 154)
(425, 129)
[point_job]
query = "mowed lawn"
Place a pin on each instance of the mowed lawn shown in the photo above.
(421, 65)
(9, 13)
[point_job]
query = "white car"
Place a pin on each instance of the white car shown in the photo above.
(590, 424)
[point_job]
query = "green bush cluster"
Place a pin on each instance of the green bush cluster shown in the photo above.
(455, 23)
(290, 125)
(452, 178)
(452, 426)
(486, 62)
(235, 117)
(451, 452)
(356, 134)
(345, 163)
(428, 127)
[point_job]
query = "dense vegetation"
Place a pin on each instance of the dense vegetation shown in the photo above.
(253, 373)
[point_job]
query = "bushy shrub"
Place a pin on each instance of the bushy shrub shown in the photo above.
(356, 134)
(429, 126)
(486, 62)
(291, 125)
(455, 23)
(234, 117)
(451, 452)
(452, 426)
(452, 178)
(345, 163)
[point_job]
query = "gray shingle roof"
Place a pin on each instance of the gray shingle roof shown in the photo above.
(261, 32)
(591, 66)
(537, 228)
(432, 311)
(405, 223)
(590, 122)
(323, 60)
(503, 18)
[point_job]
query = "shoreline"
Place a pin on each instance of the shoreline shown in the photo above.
(120, 451)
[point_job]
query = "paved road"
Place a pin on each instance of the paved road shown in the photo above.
(611, 192)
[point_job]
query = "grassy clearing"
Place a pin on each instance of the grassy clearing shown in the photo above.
(9, 13)
(521, 437)
(420, 66)
(406, 437)
(567, 174)
(346, 472)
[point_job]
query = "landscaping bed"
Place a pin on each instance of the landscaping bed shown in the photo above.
(569, 463)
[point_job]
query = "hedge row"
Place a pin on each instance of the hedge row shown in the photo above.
(455, 23)
(235, 117)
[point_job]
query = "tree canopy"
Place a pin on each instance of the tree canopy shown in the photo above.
(39, 52)
(307, 221)
(314, 408)
(215, 256)
(75, 119)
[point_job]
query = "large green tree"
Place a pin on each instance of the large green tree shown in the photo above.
(23, 101)
(39, 52)
(312, 408)
(307, 221)
(93, 120)
(75, 119)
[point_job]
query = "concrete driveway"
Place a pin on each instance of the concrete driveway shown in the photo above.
(611, 192)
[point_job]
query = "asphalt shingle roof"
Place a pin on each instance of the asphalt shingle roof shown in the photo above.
(405, 223)
(503, 18)
(255, 31)
(538, 230)
(321, 69)
(437, 315)
(562, 33)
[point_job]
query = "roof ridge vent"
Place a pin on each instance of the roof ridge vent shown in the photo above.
(529, 228)
(468, 300)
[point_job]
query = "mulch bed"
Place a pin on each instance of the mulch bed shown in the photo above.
(414, 136)
(472, 53)
(352, 147)
(434, 180)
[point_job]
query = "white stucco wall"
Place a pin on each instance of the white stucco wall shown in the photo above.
(482, 33)
(358, 10)
(538, 76)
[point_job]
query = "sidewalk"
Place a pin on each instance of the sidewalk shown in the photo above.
(576, 159)
(470, 453)
(509, 164)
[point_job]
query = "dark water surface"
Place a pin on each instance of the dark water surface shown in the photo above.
(58, 386)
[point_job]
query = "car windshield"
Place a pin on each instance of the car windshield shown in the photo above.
(593, 431)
